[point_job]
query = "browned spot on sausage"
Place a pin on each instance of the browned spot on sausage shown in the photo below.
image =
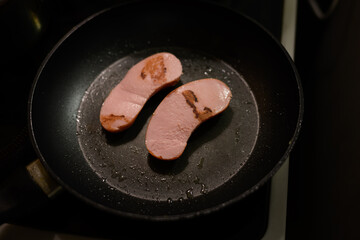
(155, 68)
(191, 98)
(112, 118)
(205, 114)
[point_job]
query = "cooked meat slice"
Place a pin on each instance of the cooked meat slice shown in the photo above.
(181, 112)
(142, 81)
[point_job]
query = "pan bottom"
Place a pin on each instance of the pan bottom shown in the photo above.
(216, 151)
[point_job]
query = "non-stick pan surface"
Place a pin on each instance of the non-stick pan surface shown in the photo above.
(226, 158)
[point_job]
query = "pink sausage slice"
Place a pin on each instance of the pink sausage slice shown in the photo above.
(142, 81)
(181, 112)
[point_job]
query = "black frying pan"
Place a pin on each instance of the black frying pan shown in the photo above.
(227, 157)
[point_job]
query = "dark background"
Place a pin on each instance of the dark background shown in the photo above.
(324, 192)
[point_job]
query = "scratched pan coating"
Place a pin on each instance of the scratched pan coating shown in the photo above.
(227, 157)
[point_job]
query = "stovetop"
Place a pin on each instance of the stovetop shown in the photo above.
(247, 219)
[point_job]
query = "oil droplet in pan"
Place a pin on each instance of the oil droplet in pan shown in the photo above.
(189, 193)
(204, 189)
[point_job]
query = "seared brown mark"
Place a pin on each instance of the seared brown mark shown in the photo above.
(155, 67)
(205, 114)
(112, 118)
(191, 98)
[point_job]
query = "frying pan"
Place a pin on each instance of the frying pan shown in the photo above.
(227, 157)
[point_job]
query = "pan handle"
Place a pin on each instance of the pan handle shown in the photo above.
(25, 190)
(42, 178)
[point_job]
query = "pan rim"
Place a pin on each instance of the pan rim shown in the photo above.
(175, 216)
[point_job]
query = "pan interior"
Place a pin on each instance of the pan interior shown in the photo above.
(227, 157)
(216, 151)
